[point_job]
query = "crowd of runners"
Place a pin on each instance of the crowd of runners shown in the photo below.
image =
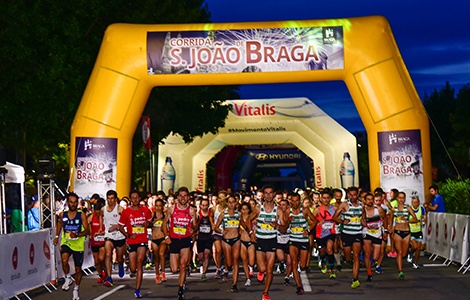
(245, 236)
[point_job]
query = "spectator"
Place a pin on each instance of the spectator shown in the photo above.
(437, 204)
(34, 222)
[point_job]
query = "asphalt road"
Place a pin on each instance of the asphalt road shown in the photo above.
(432, 281)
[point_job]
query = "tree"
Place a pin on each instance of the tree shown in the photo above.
(460, 149)
(439, 105)
(48, 50)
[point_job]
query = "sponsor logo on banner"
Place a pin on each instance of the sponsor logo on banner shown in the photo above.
(46, 250)
(200, 181)
(31, 254)
(318, 179)
(14, 258)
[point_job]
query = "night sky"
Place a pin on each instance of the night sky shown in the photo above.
(432, 36)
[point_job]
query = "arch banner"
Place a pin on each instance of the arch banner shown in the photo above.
(362, 52)
(295, 121)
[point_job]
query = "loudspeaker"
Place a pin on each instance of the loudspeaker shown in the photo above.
(3, 160)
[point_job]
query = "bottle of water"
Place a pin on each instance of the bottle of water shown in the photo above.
(346, 171)
(168, 175)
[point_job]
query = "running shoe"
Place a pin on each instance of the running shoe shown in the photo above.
(132, 274)
(103, 275)
(67, 283)
(163, 276)
(234, 289)
(332, 274)
(252, 274)
(181, 295)
(188, 271)
(75, 295)
(248, 282)
(415, 266)
(409, 259)
(203, 277)
(324, 269)
(158, 279)
(108, 282)
(393, 254)
(260, 276)
(378, 270)
(401, 275)
(121, 271)
(286, 281)
(137, 294)
(355, 284)
(217, 274)
(265, 297)
(282, 267)
(369, 278)
(300, 290)
(99, 281)
(225, 276)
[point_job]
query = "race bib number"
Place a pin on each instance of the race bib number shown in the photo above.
(99, 238)
(355, 219)
(138, 230)
(205, 229)
(158, 223)
(179, 230)
(297, 230)
(327, 225)
(233, 223)
(372, 230)
(266, 226)
(68, 237)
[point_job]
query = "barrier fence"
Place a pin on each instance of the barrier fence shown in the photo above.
(447, 236)
(29, 260)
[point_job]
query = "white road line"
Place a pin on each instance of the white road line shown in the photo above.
(305, 283)
(110, 292)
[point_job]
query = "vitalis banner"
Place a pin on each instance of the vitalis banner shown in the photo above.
(249, 50)
(400, 157)
(95, 166)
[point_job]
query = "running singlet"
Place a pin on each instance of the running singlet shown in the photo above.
(374, 224)
(283, 238)
(96, 240)
(354, 215)
(231, 221)
(216, 217)
(180, 222)
(204, 227)
(157, 223)
(134, 221)
(419, 212)
(328, 226)
(264, 230)
(74, 225)
(297, 227)
(112, 219)
(401, 216)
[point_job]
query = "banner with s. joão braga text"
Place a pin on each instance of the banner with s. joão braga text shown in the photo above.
(95, 166)
(293, 48)
(401, 163)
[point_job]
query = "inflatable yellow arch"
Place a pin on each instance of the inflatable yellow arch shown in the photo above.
(360, 51)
